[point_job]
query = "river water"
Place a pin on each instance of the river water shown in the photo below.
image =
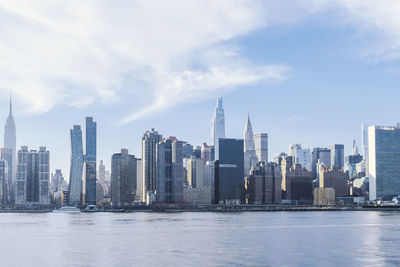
(342, 238)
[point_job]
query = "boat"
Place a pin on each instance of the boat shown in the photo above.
(67, 209)
(91, 208)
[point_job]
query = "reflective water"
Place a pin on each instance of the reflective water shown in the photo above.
(202, 239)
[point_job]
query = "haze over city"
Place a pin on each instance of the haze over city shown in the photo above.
(307, 72)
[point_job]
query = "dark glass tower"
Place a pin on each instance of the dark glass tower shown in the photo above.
(229, 180)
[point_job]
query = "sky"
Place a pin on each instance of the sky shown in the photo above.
(306, 71)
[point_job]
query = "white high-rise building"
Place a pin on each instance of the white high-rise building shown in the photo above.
(302, 156)
(217, 127)
(261, 146)
(250, 157)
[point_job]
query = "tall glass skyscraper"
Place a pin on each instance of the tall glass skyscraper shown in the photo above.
(217, 127)
(149, 161)
(76, 169)
(383, 162)
(10, 144)
(90, 162)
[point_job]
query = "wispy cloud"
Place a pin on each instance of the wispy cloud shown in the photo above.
(81, 52)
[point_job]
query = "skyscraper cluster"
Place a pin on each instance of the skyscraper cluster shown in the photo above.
(233, 171)
(228, 171)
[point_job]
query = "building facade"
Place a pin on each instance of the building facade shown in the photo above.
(337, 156)
(250, 157)
(296, 184)
(33, 176)
(149, 162)
(195, 172)
(76, 167)
(90, 170)
(302, 156)
(336, 179)
(261, 147)
(102, 173)
(383, 162)
(3, 182)
(123, 178)
(321, 155)
(217, 127)
(264, 184)
(169, 174)
(229, 169)
(10, 153)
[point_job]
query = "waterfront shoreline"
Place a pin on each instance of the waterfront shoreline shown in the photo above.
(227, 208)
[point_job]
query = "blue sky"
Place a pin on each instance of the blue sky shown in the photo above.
(308, 72)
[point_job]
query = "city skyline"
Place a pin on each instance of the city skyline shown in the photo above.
(297, 71)
(137, 147)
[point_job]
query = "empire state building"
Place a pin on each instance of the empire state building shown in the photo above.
(9, 151)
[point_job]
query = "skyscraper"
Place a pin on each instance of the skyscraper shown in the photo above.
(177, 159)
(76, 168)
(336, 179)
(10, 142)
(169, 178)
(321, 155)
(302, 156)
(217, 127)
(229, 169)
(250, 157)
(195, 172)
(7, 155)
(383, 162)
(264, 184)
(364, 140)
(57, 180)
(207, 153)
(22, 176)
(44, 175)
(102, 173)
(261, 146)
(89, 183)
(149, 161)
(355, 148)
(123, 178)
(337, 156)
(33, 176)
(3, 182)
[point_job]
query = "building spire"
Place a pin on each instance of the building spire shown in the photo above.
(219, 102)
(10, 111)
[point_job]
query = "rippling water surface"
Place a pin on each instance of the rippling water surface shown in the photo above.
(202, 239)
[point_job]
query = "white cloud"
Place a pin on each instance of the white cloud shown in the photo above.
(81, 52)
